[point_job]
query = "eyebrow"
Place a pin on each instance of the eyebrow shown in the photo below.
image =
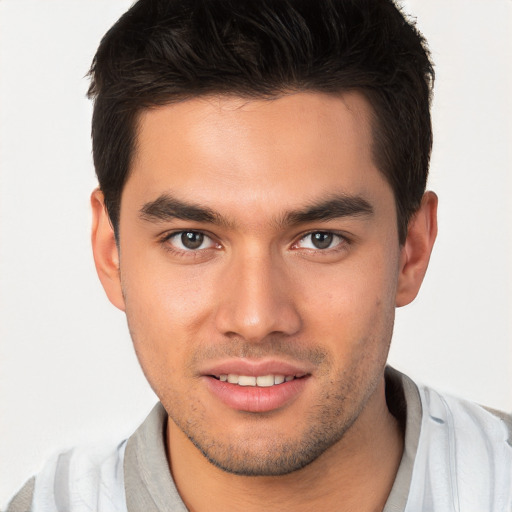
(166, 208)
(333, 208)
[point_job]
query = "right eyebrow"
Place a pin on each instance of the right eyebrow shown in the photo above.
(166, 208)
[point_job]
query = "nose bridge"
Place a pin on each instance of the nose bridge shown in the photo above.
(256, 301)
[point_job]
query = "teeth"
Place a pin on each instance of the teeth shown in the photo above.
(244, 380)
(265, 381)
(262, 381)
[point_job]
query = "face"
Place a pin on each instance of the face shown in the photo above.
(259, 260)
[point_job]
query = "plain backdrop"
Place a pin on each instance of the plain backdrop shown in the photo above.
(68, 373)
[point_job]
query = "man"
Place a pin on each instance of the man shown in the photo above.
(261, 213)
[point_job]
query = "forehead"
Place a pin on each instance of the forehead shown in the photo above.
(230, 150)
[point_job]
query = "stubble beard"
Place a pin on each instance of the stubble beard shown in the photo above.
(266, 454)
(261, 452)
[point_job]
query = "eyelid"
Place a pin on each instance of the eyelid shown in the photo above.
(344, 240)
(166, 238)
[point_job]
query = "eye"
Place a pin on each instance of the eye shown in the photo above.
(190, 241)
(320, 240)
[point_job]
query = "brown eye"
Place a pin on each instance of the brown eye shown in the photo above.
(189, 241)
(322, 240)
(192, 239)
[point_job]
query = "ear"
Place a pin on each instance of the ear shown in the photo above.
(415, 253)
(105, 251)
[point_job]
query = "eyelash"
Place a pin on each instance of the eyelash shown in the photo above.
(343, 243)
(165, 241)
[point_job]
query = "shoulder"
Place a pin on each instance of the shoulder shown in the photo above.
(428, 407)
(464, 453)
(132, 475)
(489, 425)
(84, 476)
(457, 454)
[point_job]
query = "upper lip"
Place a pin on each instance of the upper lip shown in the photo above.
(255, 368)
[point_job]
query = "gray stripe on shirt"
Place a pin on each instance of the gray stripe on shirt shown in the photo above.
(61, 482)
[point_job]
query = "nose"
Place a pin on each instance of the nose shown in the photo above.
(257, 299)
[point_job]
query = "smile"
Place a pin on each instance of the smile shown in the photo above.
(262, 381)
(256, 393)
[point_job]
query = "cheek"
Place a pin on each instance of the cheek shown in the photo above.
(163, 292)
(166, 309)
(353, 304)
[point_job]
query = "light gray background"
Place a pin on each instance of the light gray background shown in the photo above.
(68, 373)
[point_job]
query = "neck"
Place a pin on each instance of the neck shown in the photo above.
(357, 473)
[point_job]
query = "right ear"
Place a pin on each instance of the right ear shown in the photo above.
(105, 250)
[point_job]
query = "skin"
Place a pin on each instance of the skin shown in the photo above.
(257, 291)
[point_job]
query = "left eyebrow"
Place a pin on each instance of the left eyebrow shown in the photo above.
(332, 208)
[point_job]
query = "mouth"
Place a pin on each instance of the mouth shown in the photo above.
(256, 388)
(261, 381)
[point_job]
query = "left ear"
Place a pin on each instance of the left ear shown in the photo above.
(415, 253)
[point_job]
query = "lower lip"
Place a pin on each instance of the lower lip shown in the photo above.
(254, 398)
